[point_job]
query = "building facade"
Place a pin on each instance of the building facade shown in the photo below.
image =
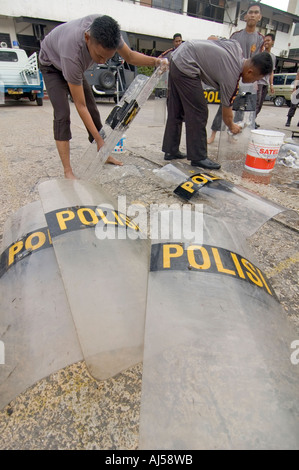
(150, 24)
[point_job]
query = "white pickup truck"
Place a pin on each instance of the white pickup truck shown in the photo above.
(20, 76)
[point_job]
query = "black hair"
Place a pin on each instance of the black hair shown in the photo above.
(263, 62)
(106, 31)
(177, 35)
(272, 36)
(254, 4)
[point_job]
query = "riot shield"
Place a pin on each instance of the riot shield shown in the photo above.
(36, 326)
(104, 269)
(233, 148)
(222, 198)
(217, 372)
(118, 122)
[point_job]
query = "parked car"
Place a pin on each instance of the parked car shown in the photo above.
(112, 78)
(20, 76)
(283, 87)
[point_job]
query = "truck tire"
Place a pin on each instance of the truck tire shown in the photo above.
(39, 101)
(279, 101)
(107, 80)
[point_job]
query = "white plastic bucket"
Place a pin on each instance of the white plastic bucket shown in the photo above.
(263, 149)
(120, 146)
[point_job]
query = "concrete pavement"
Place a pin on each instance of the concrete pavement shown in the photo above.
(69, 409)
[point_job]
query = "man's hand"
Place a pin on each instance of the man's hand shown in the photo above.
(100, 142)
(227, 116)
(163, 62)
(235, 129)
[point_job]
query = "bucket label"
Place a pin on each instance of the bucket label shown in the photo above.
(262, 151)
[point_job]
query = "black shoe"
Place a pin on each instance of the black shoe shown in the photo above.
(256, 125)
(206, 163)
(288, 123)
(179, 155)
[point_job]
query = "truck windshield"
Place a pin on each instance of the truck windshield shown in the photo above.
(8, 56)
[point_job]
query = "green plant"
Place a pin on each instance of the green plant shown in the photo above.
(144, 70)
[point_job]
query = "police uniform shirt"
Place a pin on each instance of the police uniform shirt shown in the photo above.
(66, 49)
(217, 63)
(251, 43)
(167, 54)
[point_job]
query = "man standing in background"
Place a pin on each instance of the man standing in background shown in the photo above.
(265, 82)
(251, 42)
(294, 103)
(177, 41)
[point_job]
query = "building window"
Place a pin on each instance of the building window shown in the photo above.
(294, 53)
(213, 11)
(264, 22)
(146, 3)
(5, 38)
(8, 56)
(296, 30)
(276, 25)
(169, 5)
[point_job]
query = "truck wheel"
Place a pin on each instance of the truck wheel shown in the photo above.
(39, 101)
(107, 80)
(279, 101)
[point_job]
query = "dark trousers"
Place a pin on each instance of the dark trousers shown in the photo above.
(186, 102)
(58, 92)
(262, 91)
(293, 107)
(218, 124)
(292, 110)
(217, 121)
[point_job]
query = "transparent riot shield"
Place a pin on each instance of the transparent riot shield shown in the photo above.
(233, 148)
(160, 102)
(118, 122)
(222, 198)
(36, 326)
(217, 370)
(104, 267)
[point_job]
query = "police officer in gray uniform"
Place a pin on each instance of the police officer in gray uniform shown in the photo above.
(66, 53)
(191, 63)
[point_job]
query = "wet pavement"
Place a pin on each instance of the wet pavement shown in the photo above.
(69, 409)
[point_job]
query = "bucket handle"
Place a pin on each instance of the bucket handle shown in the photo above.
(261, 156)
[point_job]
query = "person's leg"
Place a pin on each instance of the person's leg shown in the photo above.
(58, 92)
(216, 125)
(264, 94)
(262, 91)
(94, 112)
(195, 111)
(259, 99)
(63, 148)
(175, 115)
(291, 114)
(196, 116)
